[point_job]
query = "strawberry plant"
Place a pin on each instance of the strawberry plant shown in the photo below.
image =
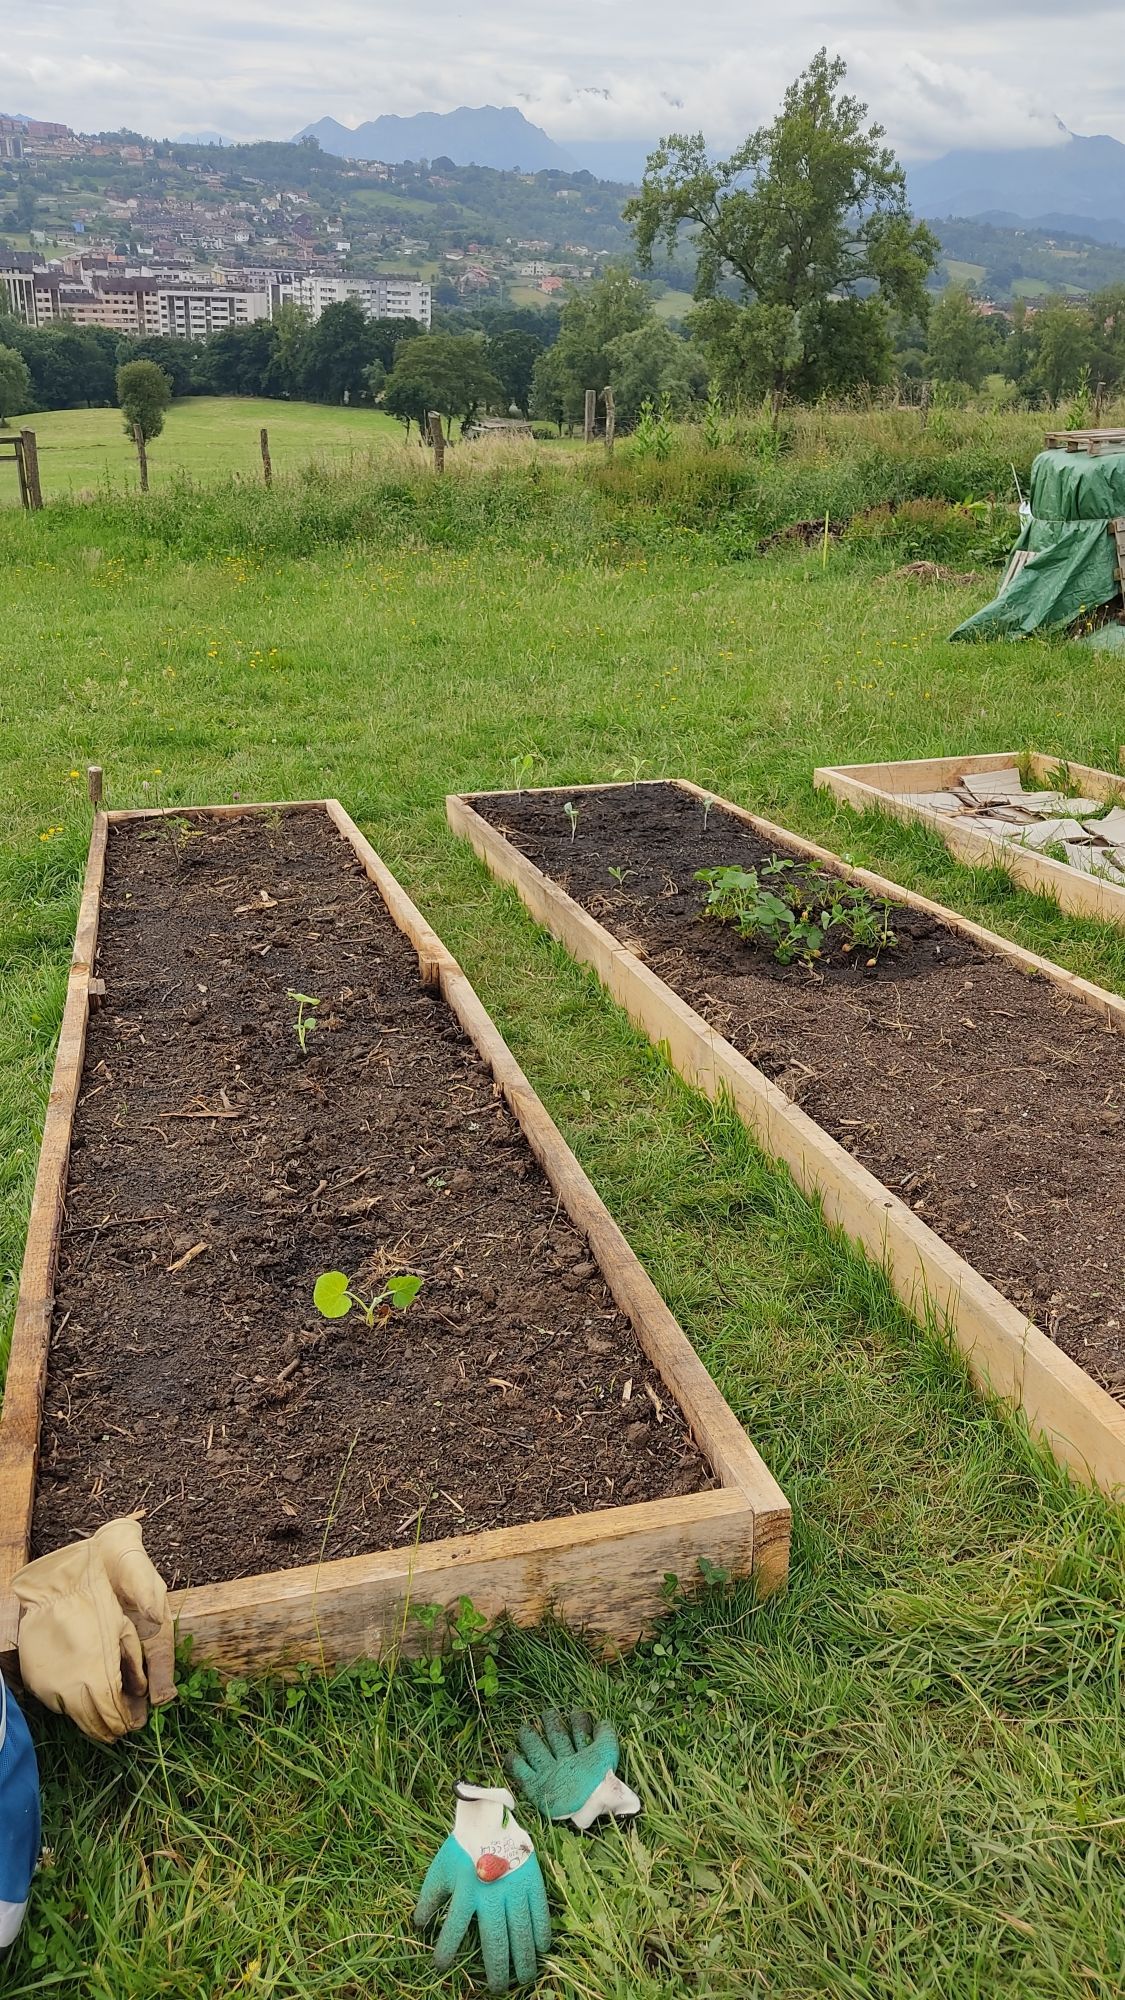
(798, 916)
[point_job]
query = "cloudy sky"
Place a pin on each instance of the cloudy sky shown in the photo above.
(938, 73)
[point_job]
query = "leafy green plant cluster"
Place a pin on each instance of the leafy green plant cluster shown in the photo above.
(798, 914)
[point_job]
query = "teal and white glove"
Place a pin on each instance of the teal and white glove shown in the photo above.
(570, 1772)
(487, 1869)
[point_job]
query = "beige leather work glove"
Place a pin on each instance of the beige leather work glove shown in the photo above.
(96, 1641)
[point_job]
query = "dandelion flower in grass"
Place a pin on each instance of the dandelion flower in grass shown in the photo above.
(72, 774)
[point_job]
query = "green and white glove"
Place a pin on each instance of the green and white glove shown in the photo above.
(570, 1772)
(487, 1869)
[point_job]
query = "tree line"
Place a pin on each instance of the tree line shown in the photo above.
(811, 281)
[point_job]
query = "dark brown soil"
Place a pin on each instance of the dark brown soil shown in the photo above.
(204, 1387)
(986, 1099)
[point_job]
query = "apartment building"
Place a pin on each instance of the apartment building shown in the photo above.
(133, 303)
(194, 311)
(389, 297)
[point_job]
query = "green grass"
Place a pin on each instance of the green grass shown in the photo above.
(904, 1777)
(206, 437)
(960, 272)
(673, 305)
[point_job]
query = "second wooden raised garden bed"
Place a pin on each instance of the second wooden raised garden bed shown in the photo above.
(955, 1103)
(535, 1433)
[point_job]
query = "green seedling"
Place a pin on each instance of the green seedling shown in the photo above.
(621, 875)
(522, 768)
(305, 1021)
(707, 801)
(334, 1298)
(571, 811)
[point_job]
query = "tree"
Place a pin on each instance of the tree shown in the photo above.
(960, 344)
(144, 393)
(580, 358)
(387, 336)
(1064, 346)
(179, 359)
(654, 365)
(810, 207)
(239, 360)
(512, 356)
(447, 372)
(338, 349)
(15, 385)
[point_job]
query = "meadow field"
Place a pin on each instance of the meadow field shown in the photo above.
(903, 1777)
(86, 452)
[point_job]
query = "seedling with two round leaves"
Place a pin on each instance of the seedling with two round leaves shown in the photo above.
(334, 1298)
(306, 1020)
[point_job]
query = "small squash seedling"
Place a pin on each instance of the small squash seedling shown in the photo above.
(334, 1298)
(306, 1019)
(571, 811)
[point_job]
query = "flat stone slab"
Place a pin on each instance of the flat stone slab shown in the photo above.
(993, 784)
(1049, 832)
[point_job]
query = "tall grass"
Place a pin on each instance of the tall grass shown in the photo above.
(576, 504)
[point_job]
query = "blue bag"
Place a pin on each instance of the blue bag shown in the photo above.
(19, 1816)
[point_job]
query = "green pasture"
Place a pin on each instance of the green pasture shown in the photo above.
(903, 1777)
(86, 453)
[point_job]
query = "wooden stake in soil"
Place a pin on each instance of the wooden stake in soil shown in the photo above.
(267, 463)
(610, 420)
(94, 784)
(31, 469)
(437, 437)
(591, 415)
(142, 455)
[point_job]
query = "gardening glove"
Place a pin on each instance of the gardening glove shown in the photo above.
(19, 1816)
(487, 1869)
(570, 1772)
(96, 1637)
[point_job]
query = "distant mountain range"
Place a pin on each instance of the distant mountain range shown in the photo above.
(1077, 186)
(488, 135)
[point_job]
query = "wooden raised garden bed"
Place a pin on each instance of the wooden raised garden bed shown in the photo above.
(535, 1433)
(956, 1106)
(986, 830)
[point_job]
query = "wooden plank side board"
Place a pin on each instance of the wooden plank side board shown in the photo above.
(1007, 1355)
(603, 1571)
(26, 1376)
(878, 788)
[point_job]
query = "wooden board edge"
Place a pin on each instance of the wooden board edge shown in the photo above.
(716, 1428)
(1070, 888)
(911, 773)
(1006, 1353)
(26, 1375)
(603, 1572)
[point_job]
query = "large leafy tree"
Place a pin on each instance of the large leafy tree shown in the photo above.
(1064, 346)
(960, 346)
(446, 372)
(810, 208)
(654, 365)
(512, 356)
(337, 352)
(592, 321)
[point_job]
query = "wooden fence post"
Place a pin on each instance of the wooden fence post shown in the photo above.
(142, 455)
(20, 473)
(267, 463)
(610, 420)
(94, 783)
(31, 469)
(591, 415)
(437, 439)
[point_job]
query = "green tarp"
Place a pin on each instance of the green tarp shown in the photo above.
(1073, 568)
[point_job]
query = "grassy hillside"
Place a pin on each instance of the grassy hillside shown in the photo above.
(207, 437)
(906, 1777)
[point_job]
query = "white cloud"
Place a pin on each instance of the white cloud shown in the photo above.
(937, 73)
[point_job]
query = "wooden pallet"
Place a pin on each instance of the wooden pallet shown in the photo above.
(1007, 1355)
(878, 788)
(1096, 444)
(603, 1571)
